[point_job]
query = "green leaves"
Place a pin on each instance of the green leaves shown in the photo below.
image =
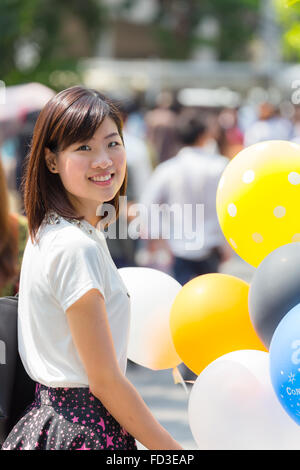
(178, 27)
(291, 2)
(289, 19)
(56, 33)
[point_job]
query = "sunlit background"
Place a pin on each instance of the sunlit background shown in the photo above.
(235, 61)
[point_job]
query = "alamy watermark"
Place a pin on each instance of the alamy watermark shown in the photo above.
(183, 222)
(2, 352)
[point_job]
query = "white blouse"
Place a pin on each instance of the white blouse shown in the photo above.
(66, 261)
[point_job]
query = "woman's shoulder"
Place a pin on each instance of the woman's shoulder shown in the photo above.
(67, 239)
(68, 252)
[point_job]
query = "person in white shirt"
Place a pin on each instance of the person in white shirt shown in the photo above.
(186, 185)
(270, 125)
(74, 309)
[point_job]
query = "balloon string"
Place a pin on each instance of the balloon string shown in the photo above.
(179, 379)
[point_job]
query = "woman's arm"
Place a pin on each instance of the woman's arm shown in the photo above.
(93, 340)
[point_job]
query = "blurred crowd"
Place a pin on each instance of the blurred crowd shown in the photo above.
(175, 155)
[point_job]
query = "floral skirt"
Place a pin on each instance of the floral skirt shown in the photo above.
(67, 419)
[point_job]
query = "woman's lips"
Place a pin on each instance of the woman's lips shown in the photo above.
(103, 183)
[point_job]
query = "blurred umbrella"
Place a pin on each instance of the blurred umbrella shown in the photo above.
(16, 102)
(21, 99)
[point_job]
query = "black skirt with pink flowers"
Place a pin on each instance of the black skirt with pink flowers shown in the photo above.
(67, 419)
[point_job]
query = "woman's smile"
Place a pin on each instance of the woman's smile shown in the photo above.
(102, 180)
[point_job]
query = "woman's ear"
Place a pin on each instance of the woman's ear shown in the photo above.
(50, 159)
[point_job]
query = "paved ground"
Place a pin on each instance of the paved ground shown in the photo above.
(167, 401)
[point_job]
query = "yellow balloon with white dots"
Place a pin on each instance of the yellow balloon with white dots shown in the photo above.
(258, 199)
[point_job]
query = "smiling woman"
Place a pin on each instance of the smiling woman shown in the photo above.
(83, 167)
(74, 308)
(71, 121)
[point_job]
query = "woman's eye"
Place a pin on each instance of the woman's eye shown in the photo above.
(84, 147)
(114, 144)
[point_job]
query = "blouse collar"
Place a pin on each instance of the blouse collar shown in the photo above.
(53, 218)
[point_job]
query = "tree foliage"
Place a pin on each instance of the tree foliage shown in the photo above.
(40, 36)
(289, 19)
(177, 26)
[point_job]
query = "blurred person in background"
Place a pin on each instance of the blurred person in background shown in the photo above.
(161, 128)
(269, 126)
(232, 137)
(138, 156)
(296, 124)
(13, 238)
(136, 108)
(191, 177)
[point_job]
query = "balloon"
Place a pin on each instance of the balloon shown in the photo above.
(152, 293)
(232, 406)
(209, 318)
(274, 290)
(258, 198)
(285, 361)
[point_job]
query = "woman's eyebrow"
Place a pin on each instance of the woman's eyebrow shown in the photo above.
(113, 134)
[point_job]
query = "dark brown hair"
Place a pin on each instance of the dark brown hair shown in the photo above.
(71, 116)
(8, 239)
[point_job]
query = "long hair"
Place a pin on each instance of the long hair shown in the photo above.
(8, 241)
(71, 116)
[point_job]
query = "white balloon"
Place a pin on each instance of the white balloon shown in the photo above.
(152, 293)
(232, 406)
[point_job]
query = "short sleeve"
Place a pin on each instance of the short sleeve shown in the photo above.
(72, 269)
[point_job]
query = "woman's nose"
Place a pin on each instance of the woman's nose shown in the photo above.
(102, 160)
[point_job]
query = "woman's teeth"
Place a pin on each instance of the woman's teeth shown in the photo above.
(101, 178)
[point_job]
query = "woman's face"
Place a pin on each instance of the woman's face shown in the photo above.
(101, 156)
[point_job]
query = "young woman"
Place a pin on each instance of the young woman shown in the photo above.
(74, 308)
(13, 238)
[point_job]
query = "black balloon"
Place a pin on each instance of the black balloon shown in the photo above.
(274, 290)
